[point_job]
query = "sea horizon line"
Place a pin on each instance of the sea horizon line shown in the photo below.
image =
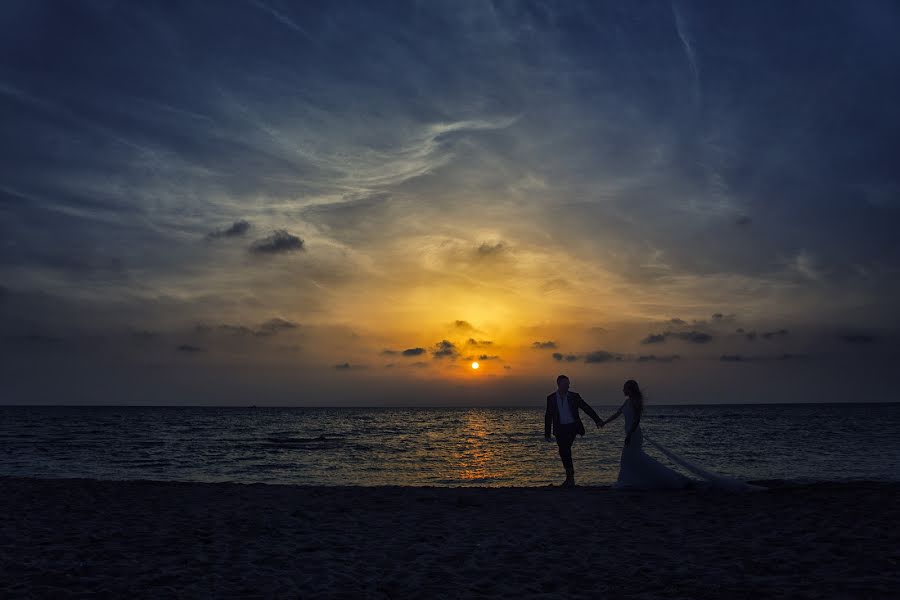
(436, 406)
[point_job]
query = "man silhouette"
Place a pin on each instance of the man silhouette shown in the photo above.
(562, 418)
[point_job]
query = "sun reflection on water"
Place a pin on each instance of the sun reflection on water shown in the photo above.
(476, 458)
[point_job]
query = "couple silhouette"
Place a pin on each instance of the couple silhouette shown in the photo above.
(637, 470)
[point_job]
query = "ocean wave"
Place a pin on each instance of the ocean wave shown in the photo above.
(279, 443)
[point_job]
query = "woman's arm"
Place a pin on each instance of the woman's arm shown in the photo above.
(614, 416)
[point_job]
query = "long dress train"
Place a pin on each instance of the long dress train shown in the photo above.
(637, 470)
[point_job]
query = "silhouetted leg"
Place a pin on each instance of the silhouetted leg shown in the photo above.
(564, 440)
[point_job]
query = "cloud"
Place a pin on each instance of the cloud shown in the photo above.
(487, 249)
(694, 337)
(555, 284)
(722, 318)
(487, 357)
(279, 242)
(282, 18)
(190, 349)
(479, 343)
(414, 351)
(238, 228)
(857, 338)
(548, 345)
(463, 325)
(758, 358)
(432, 158)
(604, 356)
(236, 329)
(346, 366)
(655, 358)
(601, 356)
(445, 349)
(268, 328)
(274, 326)
(356, 218)
(770, 335)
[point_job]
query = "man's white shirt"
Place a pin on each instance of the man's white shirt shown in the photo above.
(565, 413)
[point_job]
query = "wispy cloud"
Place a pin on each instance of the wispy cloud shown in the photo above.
(681, 30)
(448, 173)
(281, 18)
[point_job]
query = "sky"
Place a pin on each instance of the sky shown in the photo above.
(266, 202)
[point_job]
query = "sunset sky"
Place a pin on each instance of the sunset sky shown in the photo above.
(269, 202)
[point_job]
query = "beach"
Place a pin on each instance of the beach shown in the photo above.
(69, 537)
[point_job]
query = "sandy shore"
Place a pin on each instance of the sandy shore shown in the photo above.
(62, 538)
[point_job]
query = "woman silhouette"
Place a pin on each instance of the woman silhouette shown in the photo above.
(638, 470)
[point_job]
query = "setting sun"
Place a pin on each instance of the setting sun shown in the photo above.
(474, 365)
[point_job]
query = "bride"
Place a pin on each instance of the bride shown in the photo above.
(638, 470)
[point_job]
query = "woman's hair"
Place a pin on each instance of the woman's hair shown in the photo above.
(635, 393)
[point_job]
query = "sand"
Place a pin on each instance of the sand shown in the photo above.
(64, 538)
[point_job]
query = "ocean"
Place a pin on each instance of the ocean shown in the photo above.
(438, 446)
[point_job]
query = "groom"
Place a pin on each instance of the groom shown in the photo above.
(562, 415)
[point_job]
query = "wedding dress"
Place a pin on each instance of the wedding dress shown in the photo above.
(637, 470)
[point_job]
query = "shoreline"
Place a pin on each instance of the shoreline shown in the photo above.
(149, 538)
(769, 484)
(538, 406)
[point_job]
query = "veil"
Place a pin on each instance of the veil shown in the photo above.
(715, 480)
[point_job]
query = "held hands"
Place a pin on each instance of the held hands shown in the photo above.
(600, 423)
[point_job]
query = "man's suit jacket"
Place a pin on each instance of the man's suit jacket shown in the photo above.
(551, 417)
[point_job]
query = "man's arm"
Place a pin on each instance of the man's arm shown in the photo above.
(548, 420)
(590, 411)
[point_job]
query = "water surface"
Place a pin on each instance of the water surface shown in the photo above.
(437, 446)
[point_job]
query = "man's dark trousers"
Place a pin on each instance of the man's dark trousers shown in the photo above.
(565, 435)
